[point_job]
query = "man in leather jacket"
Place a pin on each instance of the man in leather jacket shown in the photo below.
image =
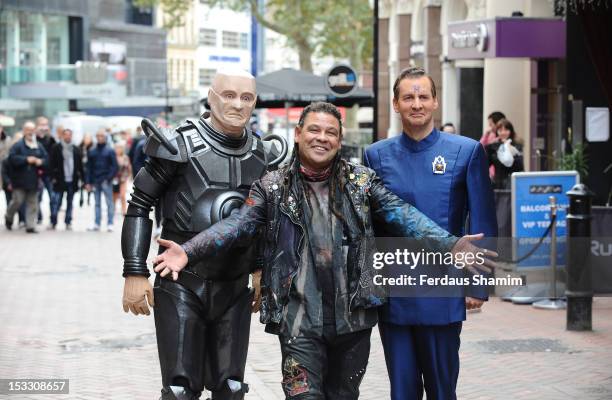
(201, 171)
(317, 285)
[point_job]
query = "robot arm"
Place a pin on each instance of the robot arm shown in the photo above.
(166, 151)
(149, 185)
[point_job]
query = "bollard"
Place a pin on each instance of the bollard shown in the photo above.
(579, 288)
(553, 302)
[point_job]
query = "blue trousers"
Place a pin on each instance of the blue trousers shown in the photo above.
(107, 189)
(422, 357)
(46, 184)
(58, 204)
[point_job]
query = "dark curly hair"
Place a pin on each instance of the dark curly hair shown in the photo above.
(323, 107)
(336, 179)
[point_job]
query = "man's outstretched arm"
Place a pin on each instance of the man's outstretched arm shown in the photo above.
(405, 220)
(237, 229)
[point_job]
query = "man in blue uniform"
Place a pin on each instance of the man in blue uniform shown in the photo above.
(446, 177)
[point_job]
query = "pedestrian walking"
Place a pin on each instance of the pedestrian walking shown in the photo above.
(7, 179)
(85, 145)
(124, 173)
(101, 169)
(27, 159)
(5, 144)
(44, 138)
(66, 171)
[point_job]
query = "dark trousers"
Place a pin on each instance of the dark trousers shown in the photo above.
(46, 184)
(8, 194)
(21, 197)
(326, 368)
(422, 357)
(59, 197)
(202, 332)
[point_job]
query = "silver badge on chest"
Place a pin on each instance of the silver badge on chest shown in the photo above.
(438, 165)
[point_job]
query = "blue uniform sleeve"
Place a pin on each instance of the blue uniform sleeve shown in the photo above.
(481, 208)
(481, 205)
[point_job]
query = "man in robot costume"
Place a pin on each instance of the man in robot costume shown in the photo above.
(201, 171)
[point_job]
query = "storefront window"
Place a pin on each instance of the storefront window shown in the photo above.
(57, 40)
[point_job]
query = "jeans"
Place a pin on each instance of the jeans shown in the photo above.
(59, 197)
(46, 184)
(107, 189)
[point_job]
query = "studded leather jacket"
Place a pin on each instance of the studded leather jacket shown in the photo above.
(364, 200)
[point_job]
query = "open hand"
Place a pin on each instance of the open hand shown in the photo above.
(481, 257)
(172, 260)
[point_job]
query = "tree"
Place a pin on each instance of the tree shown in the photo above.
(174, 10)
(341, 28)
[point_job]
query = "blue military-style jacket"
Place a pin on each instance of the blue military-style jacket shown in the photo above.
(446, 177)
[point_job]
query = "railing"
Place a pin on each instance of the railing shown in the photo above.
(81, 72)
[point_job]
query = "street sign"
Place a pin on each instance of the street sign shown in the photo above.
(531, 214)
(341, 80)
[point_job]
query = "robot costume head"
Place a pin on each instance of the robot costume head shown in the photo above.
(232, 97)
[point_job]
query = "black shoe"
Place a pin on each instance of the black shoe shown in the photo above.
(8, 223)
(31, 230)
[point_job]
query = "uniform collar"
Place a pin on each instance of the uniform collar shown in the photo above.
(421, 145)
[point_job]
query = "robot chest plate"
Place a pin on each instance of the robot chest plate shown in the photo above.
(217, 185)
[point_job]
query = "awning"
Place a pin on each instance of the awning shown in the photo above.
(294, 88)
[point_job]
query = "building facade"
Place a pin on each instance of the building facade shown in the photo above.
(436, 34)
(101, 57)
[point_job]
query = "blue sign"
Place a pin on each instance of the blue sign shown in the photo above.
(531, 214)
(224, 58)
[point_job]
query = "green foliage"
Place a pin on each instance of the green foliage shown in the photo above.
(341, 28)
(348, 32)
(577, 160)
(174, 10)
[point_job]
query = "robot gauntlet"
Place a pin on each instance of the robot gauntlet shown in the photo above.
(149, 184)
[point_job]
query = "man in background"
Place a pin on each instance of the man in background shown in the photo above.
(101, 169)
(27, 160)
(46, 140)
(65, 170)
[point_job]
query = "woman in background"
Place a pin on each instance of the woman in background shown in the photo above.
(85, 146)
(123, 174)
(505, 154)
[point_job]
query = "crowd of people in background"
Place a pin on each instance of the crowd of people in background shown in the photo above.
(33, 162)
(502, 146)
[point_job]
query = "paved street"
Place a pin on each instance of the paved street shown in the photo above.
(61, 316)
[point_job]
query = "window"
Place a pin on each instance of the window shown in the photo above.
(230, 40)
(138, 15)
(208, 37)
(206, 76)
(244, 41)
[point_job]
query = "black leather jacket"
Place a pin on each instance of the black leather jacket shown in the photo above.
(365, 199)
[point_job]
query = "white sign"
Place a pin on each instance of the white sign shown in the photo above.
(597, 124)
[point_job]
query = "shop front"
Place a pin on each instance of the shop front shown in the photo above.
(514, 65)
